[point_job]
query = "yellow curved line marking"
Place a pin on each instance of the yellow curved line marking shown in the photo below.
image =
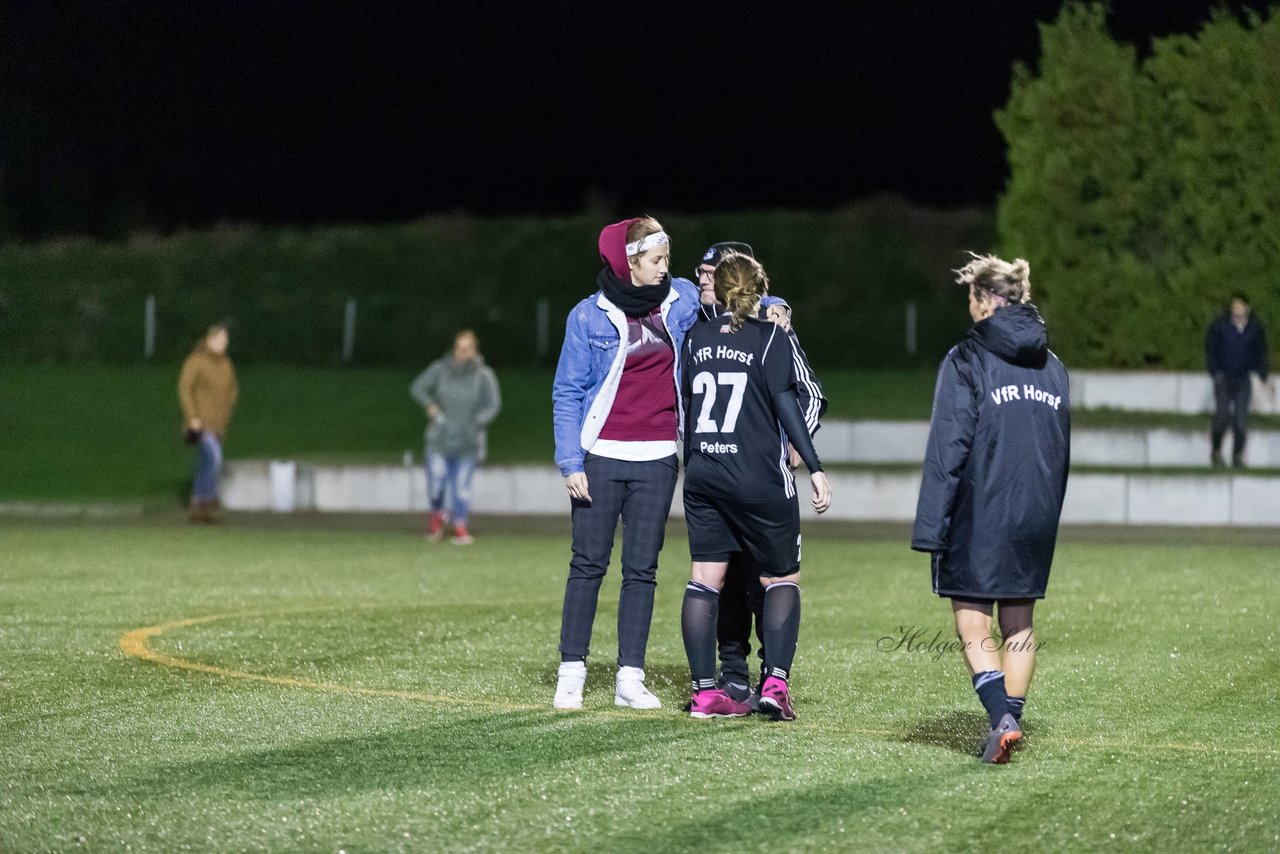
(136, 643)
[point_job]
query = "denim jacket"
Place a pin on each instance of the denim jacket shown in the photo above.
(591, 362)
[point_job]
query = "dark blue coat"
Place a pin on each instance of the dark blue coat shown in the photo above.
(995, 469)
(1233, 353)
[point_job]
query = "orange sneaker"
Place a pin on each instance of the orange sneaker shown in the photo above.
(435, 526)
(461, 537)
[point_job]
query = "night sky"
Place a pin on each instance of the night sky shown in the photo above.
(181, 114)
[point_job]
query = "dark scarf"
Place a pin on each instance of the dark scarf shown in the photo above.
(634, 300)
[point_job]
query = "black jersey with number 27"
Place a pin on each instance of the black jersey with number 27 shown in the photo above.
(734, 444)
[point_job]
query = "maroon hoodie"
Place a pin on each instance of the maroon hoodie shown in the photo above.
(613, 248)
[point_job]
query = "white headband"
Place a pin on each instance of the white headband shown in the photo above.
(645, 244)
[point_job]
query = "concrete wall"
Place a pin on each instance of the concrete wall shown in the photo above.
(1135, 391)
(904, 442)
(1156, 391)
(1092, 498)
(1109, 499)
(872, 441)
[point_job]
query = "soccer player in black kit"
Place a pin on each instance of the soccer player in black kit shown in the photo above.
(742, 597)
(740, 493)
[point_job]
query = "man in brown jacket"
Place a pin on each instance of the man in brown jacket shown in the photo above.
(208, 390)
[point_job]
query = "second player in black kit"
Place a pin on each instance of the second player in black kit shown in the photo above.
(742, 597)
(740, 493)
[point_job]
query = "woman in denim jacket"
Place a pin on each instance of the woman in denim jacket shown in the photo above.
(616, 414)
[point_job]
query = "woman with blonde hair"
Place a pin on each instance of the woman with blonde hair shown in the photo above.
(995, 473)
(739, 492)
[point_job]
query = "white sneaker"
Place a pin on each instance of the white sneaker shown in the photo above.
(569, 686)
(631, 691)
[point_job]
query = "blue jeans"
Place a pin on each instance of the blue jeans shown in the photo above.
(452, 474)
(208, 464)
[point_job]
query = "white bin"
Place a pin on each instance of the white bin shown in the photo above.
(284, 486)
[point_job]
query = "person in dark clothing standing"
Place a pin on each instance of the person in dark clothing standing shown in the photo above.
(739, 492)
(995, 473)
(1235, 345)
(742, 597)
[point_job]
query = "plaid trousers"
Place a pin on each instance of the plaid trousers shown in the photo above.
(640, 495)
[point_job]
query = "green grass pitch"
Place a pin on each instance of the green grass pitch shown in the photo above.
(1151, 725)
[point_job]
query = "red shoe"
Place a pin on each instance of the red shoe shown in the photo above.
(461, 537)
(435, 526)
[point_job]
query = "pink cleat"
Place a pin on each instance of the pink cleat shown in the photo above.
(715, 703)
(775, 700)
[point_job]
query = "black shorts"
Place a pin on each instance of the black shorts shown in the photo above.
(768, 532)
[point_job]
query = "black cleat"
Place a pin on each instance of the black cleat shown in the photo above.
(1000, 742)
(739, 691)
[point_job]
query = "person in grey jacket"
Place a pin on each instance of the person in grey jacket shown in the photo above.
(461, 398)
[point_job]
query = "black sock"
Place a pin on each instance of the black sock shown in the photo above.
(1015, 707)
(698, 625)
(990, 687)
(781, 626)
(755, 598)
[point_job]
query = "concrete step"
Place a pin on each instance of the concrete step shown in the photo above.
(1157, 391)
(1092, 498)
(904, 442)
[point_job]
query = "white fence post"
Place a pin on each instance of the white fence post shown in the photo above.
(912, 343)
(349, 331)
(543, 327)
(149, 326)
